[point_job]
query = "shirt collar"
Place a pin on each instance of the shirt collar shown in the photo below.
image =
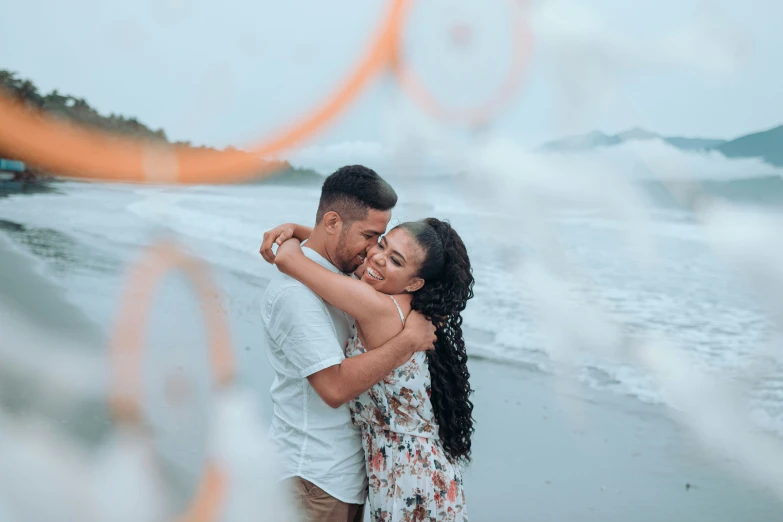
(318, 258)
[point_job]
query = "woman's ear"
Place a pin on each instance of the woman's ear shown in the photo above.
(415, 284)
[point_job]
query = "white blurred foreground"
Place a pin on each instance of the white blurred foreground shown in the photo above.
(48, 475)
(713, 403)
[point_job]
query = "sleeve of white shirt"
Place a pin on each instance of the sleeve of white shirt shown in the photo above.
(302, 327)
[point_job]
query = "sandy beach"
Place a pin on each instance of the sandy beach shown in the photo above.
(548, 455)
(544, 450)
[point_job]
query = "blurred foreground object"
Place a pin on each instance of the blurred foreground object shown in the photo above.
(48, 474)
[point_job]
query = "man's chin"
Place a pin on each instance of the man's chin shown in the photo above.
(353, 265)
(350, 269)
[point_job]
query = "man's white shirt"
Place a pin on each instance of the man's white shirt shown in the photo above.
(306, 335)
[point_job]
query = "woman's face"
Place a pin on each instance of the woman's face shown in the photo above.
(391, 265)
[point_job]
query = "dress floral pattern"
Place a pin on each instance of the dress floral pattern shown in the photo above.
(410, 477)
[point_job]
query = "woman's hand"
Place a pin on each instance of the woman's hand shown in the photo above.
(280, 234)
(289, 250)
(421, 332)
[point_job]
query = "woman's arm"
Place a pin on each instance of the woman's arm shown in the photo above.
(301, 232)
(280, 234)
(343, 382)
(350, 295)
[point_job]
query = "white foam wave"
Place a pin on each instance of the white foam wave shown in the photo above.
(594, 247)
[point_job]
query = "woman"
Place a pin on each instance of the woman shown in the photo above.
(417, 423)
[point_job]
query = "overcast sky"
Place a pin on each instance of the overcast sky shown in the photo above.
(233, 71)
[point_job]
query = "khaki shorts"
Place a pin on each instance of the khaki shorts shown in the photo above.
(318, 506)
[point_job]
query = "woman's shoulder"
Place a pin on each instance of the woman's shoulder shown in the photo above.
(384, 323)
(398, 308)
(402, 302)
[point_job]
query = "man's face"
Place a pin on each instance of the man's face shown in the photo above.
(357, 238)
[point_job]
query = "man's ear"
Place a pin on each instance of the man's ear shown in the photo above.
(333, 223)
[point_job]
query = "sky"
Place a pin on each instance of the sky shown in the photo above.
(232, 72)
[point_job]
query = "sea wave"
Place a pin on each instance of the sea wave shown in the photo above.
(684, 294)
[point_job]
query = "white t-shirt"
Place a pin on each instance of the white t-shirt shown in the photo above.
(315, 442)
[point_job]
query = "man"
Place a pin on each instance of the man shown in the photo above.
(319, 446)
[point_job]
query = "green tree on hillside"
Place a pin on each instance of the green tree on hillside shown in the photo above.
(71, 108)
(77, 110)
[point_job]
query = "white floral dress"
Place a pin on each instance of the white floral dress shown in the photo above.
(410, 477)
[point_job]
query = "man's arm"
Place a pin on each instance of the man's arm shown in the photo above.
(342, 382)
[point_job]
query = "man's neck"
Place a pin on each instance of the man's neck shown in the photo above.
(317, 242)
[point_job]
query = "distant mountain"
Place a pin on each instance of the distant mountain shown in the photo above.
(636, 134)
(597, 139)
(767, 145)
(73, 109)
(291, 176)
(695, 144)
(582, 142)
(76, 110)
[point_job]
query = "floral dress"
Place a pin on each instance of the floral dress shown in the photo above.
(410, 477)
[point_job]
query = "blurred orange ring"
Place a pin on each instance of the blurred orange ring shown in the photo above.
(80, 152)
(481, 114)
(126, 355)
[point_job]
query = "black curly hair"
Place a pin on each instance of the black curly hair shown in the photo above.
(448, 286)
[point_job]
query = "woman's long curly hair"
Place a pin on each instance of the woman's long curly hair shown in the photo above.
(448, 284)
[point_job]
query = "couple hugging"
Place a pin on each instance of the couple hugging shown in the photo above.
(365, 338)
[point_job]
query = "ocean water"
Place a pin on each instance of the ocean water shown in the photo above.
(87, 234)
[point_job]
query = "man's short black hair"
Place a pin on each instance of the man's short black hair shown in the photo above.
(352, 191)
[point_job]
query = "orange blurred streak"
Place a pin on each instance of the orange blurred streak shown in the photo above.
(126, 350)
(80, 152)
(127, 342)
(206, 504)
(84, 153)
(483, 113)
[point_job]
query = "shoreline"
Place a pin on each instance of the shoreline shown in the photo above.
(542, 450)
